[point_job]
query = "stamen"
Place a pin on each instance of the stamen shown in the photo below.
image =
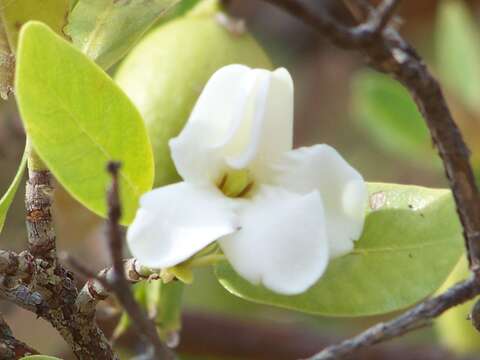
(245, 191)
(222, 182)
(235, 183)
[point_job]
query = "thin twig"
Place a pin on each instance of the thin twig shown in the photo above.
(10, 347)
(118, 283)
(98, 285)
(360, 9)
(418, 317)
(84, 270)
(384, 14)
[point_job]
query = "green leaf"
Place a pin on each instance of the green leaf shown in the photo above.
(458, 51)
(7, 198)
(106, 29)
(40, 357)
(78, 119)
(411, 241)
(72, 4)
(387, 112)
(17, 12)
(179, 10)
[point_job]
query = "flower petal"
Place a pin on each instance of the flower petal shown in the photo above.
(219, 111)
(343, 190)
(232, 123)
(176, 221)
(282, 243)
(271, 131)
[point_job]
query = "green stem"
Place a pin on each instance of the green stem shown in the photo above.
(165, 304)
(207, 260)
(34, 163)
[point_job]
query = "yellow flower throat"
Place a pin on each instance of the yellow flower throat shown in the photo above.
(236, 183)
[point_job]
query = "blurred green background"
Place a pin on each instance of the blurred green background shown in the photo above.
(368, 117)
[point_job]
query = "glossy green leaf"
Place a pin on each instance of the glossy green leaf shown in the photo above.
(384, 108)
(40, 357)
(457, 40)
(78, 119)
(7, 198)
(411, 241)
(15, 13)
(106, 29)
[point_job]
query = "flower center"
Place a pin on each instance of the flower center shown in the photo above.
(235, 183)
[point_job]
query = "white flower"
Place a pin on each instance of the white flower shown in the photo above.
(278, 214)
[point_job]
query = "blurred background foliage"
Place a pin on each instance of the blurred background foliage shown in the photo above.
(367, 116)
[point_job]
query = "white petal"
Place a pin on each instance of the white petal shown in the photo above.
(282, 242)
(233, 121)
(343, 190)
(271, 132)
(218, 112)
(176, 221)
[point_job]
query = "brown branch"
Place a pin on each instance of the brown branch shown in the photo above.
(419, 316)
(14, 268)
(10, 347)
(7, 65)
(56, 304)
(382, 16)
(388, 52)
(50, 291)
(97, 287)
(38, 203)
(118, 283)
